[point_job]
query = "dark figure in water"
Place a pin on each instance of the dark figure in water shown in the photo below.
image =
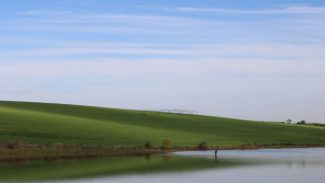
(216, 153)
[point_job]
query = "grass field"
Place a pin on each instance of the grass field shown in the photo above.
(71, 124)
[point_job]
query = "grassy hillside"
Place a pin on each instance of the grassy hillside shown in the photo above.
(53, 123)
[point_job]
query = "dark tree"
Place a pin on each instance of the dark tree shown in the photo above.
(166, 145)
(288, 121)
(203, 146)
(148, 145)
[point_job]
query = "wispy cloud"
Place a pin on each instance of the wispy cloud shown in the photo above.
(110, 18)
(276, 11)
(173, 27)
(105, 23)
(113, 67)
(275, 51)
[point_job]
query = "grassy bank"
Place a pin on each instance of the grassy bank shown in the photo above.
(23, 152)
(40, 123)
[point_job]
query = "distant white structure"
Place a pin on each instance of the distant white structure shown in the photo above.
(179, 111)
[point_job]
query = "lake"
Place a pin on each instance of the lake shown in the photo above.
(298, 165)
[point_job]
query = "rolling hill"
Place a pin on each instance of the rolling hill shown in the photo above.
(73, 124)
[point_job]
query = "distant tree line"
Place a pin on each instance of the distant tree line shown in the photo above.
(303, 122)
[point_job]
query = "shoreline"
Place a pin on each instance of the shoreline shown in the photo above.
(251, 147)
(29, 152)
(26, 152)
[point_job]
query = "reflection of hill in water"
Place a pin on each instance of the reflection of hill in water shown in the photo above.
(231, 166)
(70, 169)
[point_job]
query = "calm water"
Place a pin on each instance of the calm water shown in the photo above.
(253, 166)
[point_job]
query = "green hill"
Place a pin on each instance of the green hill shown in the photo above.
(73, 124)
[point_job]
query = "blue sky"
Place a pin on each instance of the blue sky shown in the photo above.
(254, 59)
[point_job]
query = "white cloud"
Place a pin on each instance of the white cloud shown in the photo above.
(275, 11)
(276, 51)
(218, 66)
(174, 28)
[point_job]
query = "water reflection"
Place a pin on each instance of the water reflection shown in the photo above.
(254, 166)
(104, 167)
(299, 157)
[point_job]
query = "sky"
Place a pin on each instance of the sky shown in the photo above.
(252, 59)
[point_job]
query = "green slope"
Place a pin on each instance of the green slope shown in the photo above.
(53, 123)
